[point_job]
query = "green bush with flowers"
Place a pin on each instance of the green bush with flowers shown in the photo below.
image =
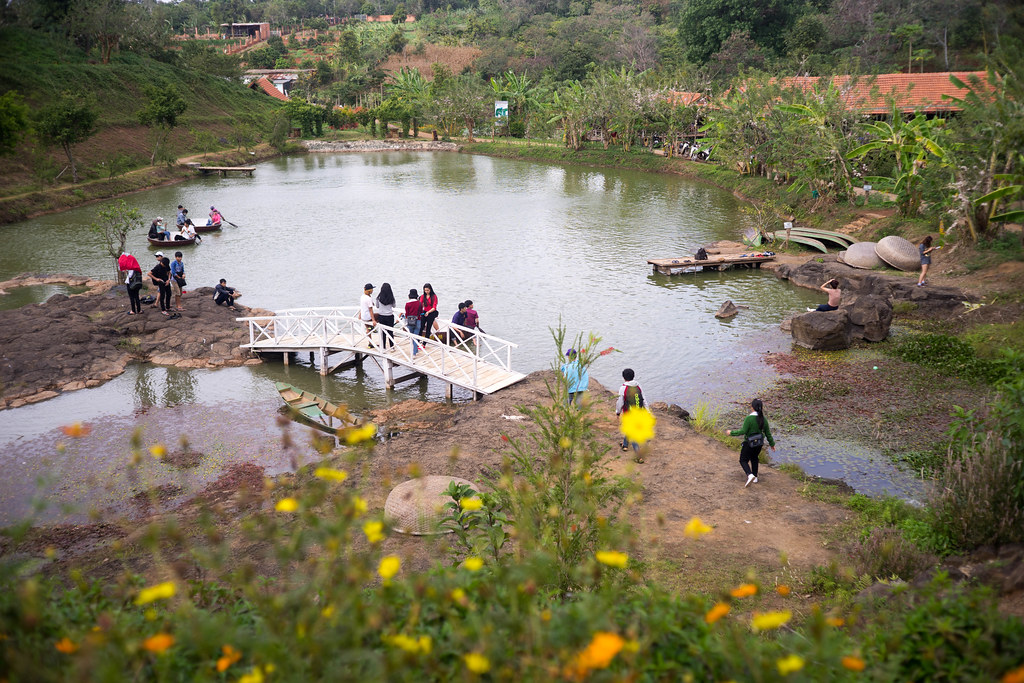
(544, 581)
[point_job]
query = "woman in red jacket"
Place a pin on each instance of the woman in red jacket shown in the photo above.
(428, 308)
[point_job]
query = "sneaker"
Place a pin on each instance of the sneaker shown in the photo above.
(811, 310)
(750, 478)
(625, 448)
(755, 480)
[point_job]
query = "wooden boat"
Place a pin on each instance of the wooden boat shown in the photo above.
(800, 239)
(319, 412)
(781, 235)
(821, 235)
(206, 228)
(171, 242)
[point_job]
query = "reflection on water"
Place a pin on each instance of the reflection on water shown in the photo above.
(16, 297)
(865, 469)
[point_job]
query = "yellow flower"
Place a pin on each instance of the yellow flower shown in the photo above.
(327, 612)
(744, 590)
(160, 591)
(158, 643)
(66, 646)
(717, 612)
(355, 435)
(473, 564)
(230, 656)
(331, 474)
(388, 567)
(477, 663)
(696, 528)
(76, 430)
(158, 451)
(598, 654)
(835, 621)
(782, 589)
(790, 664)
(255, 675)
(857, 664)
(565, 443)
(637, 425)
(374, 531)
(459, 596)
(471, 503)
(769, 620)
(545, 615)
(287, 505)
(359, 505)
(411, 645)
(612, 558)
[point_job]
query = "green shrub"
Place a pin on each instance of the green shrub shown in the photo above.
(952, 356)
(887, 553)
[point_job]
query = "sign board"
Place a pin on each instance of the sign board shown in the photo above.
(787, 225)
(501, 109)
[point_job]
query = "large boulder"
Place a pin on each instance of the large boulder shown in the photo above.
(822, 330)
(870, 317)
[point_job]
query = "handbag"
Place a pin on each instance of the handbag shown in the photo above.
(755, 440)
(181, 281)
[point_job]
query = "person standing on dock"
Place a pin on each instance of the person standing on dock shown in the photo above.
(428, 304)
(366, 307)
(755, 431)
(384, 314)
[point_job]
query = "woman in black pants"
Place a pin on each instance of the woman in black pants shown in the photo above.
(385, 313)
(428, 304)
(755, 431)
(161, 276)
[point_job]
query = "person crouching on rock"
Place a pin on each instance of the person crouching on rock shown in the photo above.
(224, 295)
(755, 431)
(834, 295)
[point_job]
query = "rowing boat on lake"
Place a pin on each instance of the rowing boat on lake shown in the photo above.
(317, 411)
(206, 228)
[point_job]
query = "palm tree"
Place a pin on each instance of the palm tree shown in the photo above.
(409, 86)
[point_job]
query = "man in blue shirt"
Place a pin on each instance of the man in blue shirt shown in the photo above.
(177, 279)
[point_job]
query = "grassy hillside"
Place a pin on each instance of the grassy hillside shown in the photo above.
(40, 67)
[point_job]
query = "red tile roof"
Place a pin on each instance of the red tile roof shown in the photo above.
(264, 84)
(681, 98)
(913, 92)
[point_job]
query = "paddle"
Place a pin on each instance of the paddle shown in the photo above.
(228, 222)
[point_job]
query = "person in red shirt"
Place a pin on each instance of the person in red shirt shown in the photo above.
(413, 312)
(472, 320)
(428, 311)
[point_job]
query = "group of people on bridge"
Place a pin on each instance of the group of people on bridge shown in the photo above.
(420, 317)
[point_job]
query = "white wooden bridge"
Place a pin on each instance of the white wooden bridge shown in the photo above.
(483, 364)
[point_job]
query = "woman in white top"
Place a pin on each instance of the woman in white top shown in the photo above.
(384, 312)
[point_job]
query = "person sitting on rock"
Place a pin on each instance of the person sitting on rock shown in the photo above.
(834, 295)
(225, 295)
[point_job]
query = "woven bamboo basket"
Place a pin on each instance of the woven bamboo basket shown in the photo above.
(417, 506)
(898, 253)
(862, 255)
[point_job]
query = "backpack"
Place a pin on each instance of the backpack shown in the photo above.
(135, 281)
(633, 397)
(701, 255)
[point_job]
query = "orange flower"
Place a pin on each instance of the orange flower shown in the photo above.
(857, 664)
(158, 643)
(782, 589)
(1015, 676)
(597, 655)
(835, 621)
(231, 655)
(66, 646)
(76, 430)
(717, 612)
(744, 590)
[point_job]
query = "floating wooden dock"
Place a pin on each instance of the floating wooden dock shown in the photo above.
(673, 266)
(224, 170)
(483, 365)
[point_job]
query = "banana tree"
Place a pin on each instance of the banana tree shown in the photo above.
(409, 86)
(913, 144)
(570, 109)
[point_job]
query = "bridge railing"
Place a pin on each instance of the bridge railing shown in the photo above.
(324, 326)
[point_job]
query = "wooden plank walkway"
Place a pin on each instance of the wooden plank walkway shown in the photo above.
(224, 170)
(482, 365)
(672, 266)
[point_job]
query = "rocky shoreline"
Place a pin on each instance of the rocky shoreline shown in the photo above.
(380, 146)
(83, 340)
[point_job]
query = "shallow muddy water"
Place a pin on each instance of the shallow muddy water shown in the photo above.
(534, 245)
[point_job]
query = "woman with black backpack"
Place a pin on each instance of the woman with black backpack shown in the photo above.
(755, 432)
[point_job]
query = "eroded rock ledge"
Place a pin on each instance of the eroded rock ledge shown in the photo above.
(73, 342)
(380, 146)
